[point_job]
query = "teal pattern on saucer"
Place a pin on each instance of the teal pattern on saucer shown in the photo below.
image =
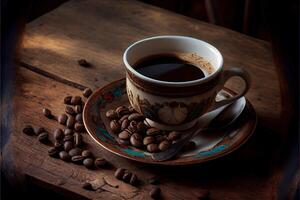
(105, 133)
(212, 151)
(134, 153)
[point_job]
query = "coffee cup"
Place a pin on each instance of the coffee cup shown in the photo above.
(171, 105)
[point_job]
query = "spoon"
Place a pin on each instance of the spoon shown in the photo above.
(216, 119)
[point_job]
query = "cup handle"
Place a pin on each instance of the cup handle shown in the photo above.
(227, 74)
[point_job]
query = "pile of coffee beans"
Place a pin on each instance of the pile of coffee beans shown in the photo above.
(126, 176)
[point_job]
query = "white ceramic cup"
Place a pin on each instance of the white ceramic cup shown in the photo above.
(177, 105)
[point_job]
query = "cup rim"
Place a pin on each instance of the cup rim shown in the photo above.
(168, 83)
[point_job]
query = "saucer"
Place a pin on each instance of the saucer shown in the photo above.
(209, 145)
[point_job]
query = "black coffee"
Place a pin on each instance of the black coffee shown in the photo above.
(168, 67)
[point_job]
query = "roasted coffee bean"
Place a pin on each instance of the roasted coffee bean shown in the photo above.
(79, 127)
(83, 63)
(124, 124)
(189, 146)
(153, 131)
(88, 163)
(87, 92)
(123, 142)
(155, 193)
(122, 110)
(141, 127)
(132, 126)
(40, 130)
(78, 159)
(160, 138)
(87, 186)
(87, 154)
(76, 100)
(78, 109)
(100, 162)
(43, 137)
(70, 110)
(119, 173)
(70, 122)
(111, 114)
(28, 130)
(135, 116)
(77, 139)
(164, 145)
(78, 118)
(131, 109)
(62, 119)
(53, 152)
(58, 145)
(68, 145)
(203, 194)
(152, 148)
(136, 140)
(127, 176)
(67, 100)
(64, 156)
(123, 118)
(58, 134)
(68, 131)
(115, 126)
(148, 140)
(125, 135)
(68, 138)
(75, 152)
(154, 180)
(47, 113)
(133, 180)
(174, 135)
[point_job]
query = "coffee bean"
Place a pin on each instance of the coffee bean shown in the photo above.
(133, 180)
(132, 126)
(124, 124)
(53, 152)
(119, 173)
(115, 126)
(141, 127)
(70, 122)
(155, 193)
(64, 156)
(43, 137)
(58, 134)
(123, 118)
(131, 109)
(78, 109)
(154, 180)
(203, 195)
(127, 176)
(111, 114)
(88, 163)
(76, 100)
(87, 154)
(79, 127)
(153, 131)
(125, 135)
(152, 148)
(148, 140)
(40, 130)
(77, 139)
(47, 113)
(164, 145)
(191, 145)
(75, 152)
(68, 138)
(123, 142)
(87, 186)
(83, 63)
(122, 110)
(28, 130)
(160, 138)
(135, 116)
(100, 162)
(87, 92)
(62, 119)
(68, 131)
(68, 145)
(78, 159)
(136, 140)
(67, 100)
(58, 145)
(70, 110)
(78, 118)
(174, 135)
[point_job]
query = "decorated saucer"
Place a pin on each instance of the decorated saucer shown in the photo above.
(209, 145)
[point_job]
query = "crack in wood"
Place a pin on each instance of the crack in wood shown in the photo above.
(52, 76)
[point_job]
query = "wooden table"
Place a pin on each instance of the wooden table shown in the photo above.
(99, 31)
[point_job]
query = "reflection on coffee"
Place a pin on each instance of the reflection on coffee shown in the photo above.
(174, 67)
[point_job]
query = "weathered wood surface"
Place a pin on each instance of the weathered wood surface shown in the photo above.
(99, 31)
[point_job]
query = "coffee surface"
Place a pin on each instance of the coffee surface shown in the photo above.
(170, 67)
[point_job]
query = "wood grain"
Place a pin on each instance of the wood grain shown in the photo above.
(100, 31)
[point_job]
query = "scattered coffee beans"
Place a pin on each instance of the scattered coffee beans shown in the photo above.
(122, 110)
(115, 126)
(77, 139)
(100, 162)
(79, 127)
(78, 109)
(77, 159)
(64, 156)
(135, 116)
(53, 152)
(70, 122)
(127, 176)
(125, 135)
(136, 140)
(68, 131)
(111, 114)
(174, 135)
(119, 173)
(164, 145)
(87, 92)
(47, 113)
(83, 63)
(87, 154)
(68, 145)
(70, 110)
(58, 145)
(62, 119)
(78, 118)
(67, 100)
(153, 131)
(88, 163)
(58, 134)
(155, 193)
(87, 186)
(40, 130)
(75, 152)
(76, 100)
(133, 180)
(152, 148)
(43, 137)
(68, 138)
(28, 130)
(148, 140)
